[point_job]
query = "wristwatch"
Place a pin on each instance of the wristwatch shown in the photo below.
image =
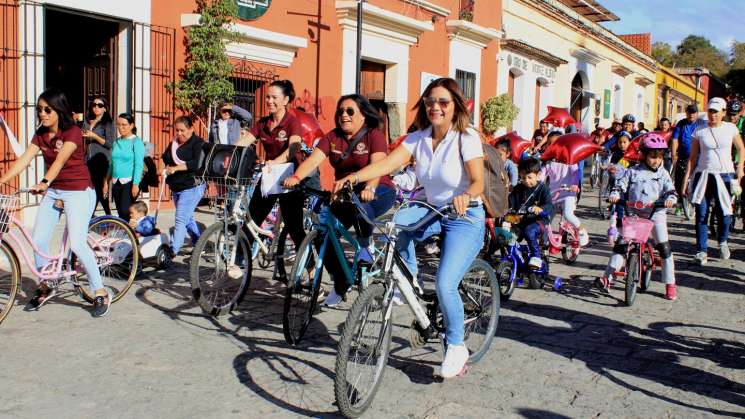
(45, 180)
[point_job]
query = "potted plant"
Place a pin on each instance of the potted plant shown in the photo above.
(498, 112)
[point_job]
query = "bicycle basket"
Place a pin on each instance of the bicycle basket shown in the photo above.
(636, 229)
(8, 207)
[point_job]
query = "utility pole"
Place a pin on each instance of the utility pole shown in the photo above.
(358, 80)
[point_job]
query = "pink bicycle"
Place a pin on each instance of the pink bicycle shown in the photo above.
(566, 240)
(112, 240)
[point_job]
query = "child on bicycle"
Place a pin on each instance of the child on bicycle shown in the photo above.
(505, 152)
(143, 224)
(563, 181)
(531, 195)
(642, 186)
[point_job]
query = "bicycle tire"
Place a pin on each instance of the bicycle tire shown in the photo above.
(570, 250)
(375, 299)
(298, 311)
(213, 290)
(603, 196)
(506, 284)
(281, 253)
(480, 308)
(262, 258)
(10, 279)
(109, 250)
(632, 277)
(647, 264)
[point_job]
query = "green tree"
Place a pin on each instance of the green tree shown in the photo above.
(696, 50)
(204, 79)
(738, 56)
(663, 53)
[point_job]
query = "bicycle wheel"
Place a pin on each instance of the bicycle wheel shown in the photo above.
(594, 170)
(570, 250)
(632, 277)
(10, 279)
(117, 252)
(302, 290)
(478, 290)
(363, 351)
(603, 193)
(506, 283)
(213, 289)
(647, 265)
(262, 258)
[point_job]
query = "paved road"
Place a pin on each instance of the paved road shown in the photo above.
(577, 353)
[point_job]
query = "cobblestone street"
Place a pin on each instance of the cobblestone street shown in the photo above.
(574, 353)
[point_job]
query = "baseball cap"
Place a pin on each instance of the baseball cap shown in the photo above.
(691, 109)
(718, 104)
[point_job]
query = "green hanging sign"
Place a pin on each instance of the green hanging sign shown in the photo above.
(606, 103)
(252, 9)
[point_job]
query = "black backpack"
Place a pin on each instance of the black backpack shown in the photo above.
(150, 177)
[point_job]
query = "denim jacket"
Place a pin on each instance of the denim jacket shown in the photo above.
(640, 184)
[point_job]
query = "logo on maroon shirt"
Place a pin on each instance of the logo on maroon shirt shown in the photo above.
(58, 146)
(282, 135)
(360, 149)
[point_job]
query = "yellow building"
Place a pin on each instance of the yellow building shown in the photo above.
(674, 93)
(556, 53)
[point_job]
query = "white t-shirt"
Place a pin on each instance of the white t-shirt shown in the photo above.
(441, 173)
(222, 130)
(715, 151)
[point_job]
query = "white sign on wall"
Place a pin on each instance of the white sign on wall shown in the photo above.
(427, 78)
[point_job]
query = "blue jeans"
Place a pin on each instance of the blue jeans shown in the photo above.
(186, 202)
(703, 209)
(532, 233)
(79, 206)
(461, 242)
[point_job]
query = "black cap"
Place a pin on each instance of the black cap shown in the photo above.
(691, 109)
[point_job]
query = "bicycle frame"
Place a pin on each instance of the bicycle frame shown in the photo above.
(55, 262)
(329, 226)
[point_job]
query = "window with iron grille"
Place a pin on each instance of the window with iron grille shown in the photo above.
(467, 82)
(245, 94)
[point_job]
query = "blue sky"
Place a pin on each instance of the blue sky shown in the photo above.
(672, 20)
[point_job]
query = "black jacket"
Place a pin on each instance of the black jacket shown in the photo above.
(192, 154)
(537, 196)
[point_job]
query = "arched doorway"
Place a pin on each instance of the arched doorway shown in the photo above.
(577, 102)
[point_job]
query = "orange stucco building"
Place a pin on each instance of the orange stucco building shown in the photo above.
(129, 51)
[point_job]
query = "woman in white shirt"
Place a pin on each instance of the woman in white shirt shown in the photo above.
(450, 168)
(713, 175)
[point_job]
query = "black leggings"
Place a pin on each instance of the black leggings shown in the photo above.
(291, 205)
(98, 166)
(122, 195)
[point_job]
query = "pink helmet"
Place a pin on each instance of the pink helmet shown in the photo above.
(653, 141)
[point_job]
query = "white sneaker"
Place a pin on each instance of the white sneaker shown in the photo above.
(584, 238)
(333, 299)
(455, 360)
(535, 263)
(235, 272)
(701, 258)
(724, 251)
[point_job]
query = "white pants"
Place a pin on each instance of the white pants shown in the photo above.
(659, 235)
(568, 206)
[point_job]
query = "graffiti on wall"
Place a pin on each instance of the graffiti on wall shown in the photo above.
(324, 109)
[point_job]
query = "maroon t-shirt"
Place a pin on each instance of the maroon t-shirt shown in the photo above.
(74, 175)
(275, 141)
(335, 143)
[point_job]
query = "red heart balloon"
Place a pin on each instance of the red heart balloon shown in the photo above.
(518, 144)
(559, 117)
(571, 149)
(311, 129)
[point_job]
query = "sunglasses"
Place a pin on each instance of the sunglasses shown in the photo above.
(45, 109)
(342, 111)
(430, 102)
(226, 110)
(97, 105)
